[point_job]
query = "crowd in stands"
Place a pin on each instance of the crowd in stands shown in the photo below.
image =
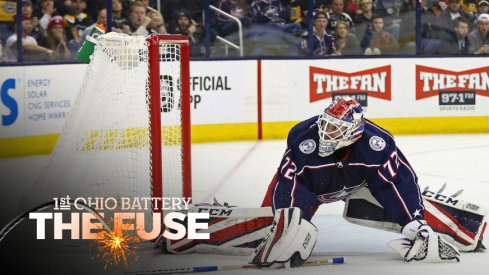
(455, 27)
(56, 29)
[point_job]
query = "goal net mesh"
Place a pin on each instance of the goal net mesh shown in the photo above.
(104, 149)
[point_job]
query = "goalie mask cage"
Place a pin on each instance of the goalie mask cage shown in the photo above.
(128, 133)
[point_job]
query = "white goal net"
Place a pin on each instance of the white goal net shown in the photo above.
(106, 148)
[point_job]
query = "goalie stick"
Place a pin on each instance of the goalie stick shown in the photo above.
(210, 268)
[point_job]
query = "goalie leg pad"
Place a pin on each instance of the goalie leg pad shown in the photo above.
(460, 222)
(232, 230)
(290, 240)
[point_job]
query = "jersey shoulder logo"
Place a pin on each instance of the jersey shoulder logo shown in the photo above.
(377, 143)
(307, 146)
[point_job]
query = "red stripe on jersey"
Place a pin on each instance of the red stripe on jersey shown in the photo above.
(348, 152)
(267, 200)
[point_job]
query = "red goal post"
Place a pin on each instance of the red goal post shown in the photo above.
(154, 42)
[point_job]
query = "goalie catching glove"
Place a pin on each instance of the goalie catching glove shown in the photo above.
(423, 244)
(289, 242)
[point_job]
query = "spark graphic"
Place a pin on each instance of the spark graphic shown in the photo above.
(117, 246)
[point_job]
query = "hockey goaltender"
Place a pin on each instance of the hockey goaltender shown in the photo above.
(340, 155)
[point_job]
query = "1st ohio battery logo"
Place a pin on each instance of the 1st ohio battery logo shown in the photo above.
(375, 82)
(455, 90)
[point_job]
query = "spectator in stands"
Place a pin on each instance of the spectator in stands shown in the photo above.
(77, 21)
(448, 16)
(407, 33)
(93, 8)
(31, 51)
(483, 6)
(478, 38)
(101, 20)
(138, 19)
(273, 13)
(37, 32)
(457, 42)
(27, 8)
(145, 4)
(171, 8)
(157, 23)
(377, 40)
(323, 5)
(352, 7)
(185, 25)
(118, 18)
(390, 12)
(363, 20)
(430, 28)
(238, 9)
(63, 7)
(56, 38)
(337, 13)
(323, 43)
(46, 11)
(345, 42)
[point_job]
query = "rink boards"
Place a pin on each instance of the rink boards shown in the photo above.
(250, 99)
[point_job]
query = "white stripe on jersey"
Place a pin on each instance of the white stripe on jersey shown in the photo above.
(397, 194)
(364, 164)
(414, 180)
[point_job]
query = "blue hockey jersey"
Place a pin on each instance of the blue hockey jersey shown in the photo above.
(305, 180)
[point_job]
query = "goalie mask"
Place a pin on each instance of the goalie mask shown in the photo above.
(340, 125)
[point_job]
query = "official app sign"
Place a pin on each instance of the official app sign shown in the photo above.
(456, 91)
(325, 83)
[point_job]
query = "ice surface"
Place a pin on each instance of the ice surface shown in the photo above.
(239, 173)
